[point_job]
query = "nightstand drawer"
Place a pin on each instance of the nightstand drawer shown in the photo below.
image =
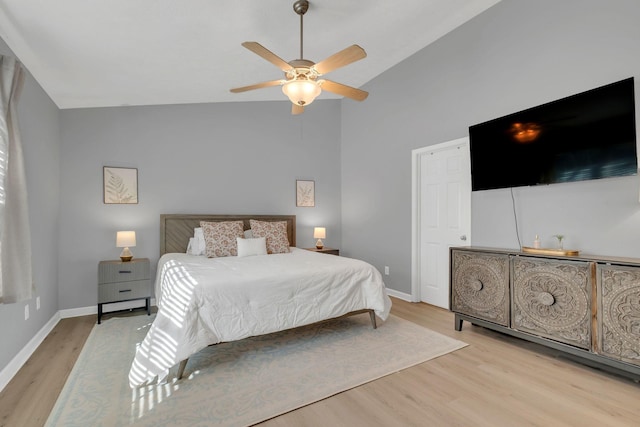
(121, 291)
(114, 271)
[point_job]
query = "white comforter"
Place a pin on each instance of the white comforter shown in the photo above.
(203, 301)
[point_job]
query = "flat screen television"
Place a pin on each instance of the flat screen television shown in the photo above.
(590, 135)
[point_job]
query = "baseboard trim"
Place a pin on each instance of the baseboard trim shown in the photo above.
(401, 295)
(9, 371)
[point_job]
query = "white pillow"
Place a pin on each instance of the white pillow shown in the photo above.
(201, 247)
(197, 245)
(250, 247)
(248, 234)
(190, 247)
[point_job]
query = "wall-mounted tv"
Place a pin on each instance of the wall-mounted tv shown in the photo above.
(590, 135)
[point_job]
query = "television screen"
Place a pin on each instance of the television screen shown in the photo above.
(590, 135)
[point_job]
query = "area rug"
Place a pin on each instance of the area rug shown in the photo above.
(238, 383)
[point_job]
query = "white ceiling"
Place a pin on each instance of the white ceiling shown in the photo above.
(92, 53)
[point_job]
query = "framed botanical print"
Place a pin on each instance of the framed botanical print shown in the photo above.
(120, 185)
(305, 193)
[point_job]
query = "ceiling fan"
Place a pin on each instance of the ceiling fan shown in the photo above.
(302, 83)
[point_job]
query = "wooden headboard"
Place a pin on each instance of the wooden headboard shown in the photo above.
(176, 229)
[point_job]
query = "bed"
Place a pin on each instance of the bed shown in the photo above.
(205, 300)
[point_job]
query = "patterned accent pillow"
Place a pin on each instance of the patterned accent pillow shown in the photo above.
(220, 237)
(275, 233)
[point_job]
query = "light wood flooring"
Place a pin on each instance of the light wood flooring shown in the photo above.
(496, 381)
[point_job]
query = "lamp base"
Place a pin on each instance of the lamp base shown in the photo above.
(319, 244)
(126, 255)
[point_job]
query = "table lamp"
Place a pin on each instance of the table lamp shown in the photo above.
(319, 233)
(125, 239)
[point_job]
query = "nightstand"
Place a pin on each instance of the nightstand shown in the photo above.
(325, 250)
(124, 281)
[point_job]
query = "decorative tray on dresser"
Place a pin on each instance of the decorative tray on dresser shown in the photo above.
(550, 251)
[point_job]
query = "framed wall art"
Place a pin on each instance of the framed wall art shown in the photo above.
(305, 193)
(120, 185)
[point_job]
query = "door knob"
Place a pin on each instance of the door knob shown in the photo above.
(463, 237)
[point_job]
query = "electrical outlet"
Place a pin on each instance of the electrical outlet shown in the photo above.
(26, 312)
(386, 270)
(37, 303)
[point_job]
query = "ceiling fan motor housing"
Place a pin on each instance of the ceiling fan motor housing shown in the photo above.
(301, 70)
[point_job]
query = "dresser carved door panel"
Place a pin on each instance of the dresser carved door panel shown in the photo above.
(481, 285)
(552, 298)
(619, 313)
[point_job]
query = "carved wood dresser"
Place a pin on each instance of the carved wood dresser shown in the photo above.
(587, 306)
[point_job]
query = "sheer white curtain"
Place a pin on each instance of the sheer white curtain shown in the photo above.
(16, 282)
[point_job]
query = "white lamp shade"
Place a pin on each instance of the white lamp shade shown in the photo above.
(319, 233)
(301, 92)
(125, 239)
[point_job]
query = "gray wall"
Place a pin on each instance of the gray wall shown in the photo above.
(38, 119)
(516, 55)
(232, 158)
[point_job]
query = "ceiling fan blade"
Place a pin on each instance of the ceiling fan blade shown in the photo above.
(344, 57)
(344, 90)
(257, 86)
(262, 51)
(296, 109)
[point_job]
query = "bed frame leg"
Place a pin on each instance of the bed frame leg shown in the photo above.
(372, 314)
(183, 365)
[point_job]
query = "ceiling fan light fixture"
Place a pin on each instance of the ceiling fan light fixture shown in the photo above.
(301, 92)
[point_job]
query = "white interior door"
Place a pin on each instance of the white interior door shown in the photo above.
(441, 216)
